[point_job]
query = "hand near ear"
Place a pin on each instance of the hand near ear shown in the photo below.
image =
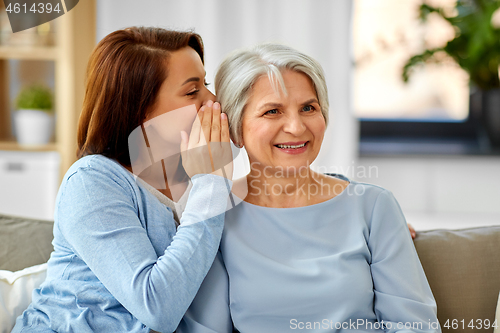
(207, 150)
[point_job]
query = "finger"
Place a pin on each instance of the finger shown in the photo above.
(215, 132)
(224, 124)
(206, 123)
(413, 233)
(194, 138)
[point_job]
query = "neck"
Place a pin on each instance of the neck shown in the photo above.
(167, 176)
(279, 188)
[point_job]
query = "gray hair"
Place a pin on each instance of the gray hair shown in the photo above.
(241, 69)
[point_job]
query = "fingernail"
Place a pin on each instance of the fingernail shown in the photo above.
(202, 108)
(223, 116)
(209, 103)
(216, 106)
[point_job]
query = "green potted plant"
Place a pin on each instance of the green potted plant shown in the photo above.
(34, 119)
(475, 48)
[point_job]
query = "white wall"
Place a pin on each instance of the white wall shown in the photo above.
(439, 191)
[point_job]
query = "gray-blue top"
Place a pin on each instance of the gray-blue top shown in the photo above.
(119, 264)
(344, 264)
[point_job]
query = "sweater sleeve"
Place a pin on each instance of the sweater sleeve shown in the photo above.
(209, 312)
(99, 217)
(403, 298)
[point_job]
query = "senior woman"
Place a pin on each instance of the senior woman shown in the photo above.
(303, 250)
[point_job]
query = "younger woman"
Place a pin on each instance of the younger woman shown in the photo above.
(121, 262)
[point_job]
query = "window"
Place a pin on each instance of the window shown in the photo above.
(434, 104)
(386, 34)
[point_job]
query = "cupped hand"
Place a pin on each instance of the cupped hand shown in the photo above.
(207, 150)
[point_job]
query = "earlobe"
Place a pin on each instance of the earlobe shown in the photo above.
(237, 143)
(240, 143)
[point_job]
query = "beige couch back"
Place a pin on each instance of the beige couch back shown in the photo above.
(24, 242)
(463, 270)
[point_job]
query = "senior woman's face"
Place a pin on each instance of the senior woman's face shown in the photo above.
(283, 131)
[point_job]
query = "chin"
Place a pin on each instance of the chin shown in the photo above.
(295, 170)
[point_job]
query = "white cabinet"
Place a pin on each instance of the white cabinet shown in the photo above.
(29, 182)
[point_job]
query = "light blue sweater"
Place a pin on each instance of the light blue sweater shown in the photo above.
(344, 264)
(119, 264)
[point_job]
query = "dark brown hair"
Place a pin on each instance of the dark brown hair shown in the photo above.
(124, 74)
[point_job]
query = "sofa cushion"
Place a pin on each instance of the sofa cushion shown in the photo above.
(463, 270)
(16, 291)
(24, 242)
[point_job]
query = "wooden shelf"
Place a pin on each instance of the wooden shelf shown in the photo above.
(13, 145)
(29, 52)
(74, 38)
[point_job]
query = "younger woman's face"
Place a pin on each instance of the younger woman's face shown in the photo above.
(180, 97)
(184, 85)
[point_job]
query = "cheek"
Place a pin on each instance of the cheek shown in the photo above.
(318, 126)
(247, 129)
(256, 132)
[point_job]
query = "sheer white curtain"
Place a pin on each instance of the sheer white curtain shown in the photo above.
(320, 28)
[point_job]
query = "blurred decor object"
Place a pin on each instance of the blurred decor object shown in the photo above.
(34, 120)
(37, 36)
(475, 48)
(5, 28)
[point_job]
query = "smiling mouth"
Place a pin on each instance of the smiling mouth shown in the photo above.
(291, 146)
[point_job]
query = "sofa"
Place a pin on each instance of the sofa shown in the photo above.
(462, 267)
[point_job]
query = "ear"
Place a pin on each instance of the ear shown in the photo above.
(240, 143)
(237, 143)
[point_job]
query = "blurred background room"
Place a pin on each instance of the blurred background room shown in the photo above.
(413, 86)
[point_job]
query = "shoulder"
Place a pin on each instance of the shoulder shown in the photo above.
(95, 173)
(365, 192)
(382, 212)
(95, 162)
(98, 164)
(372, 200)
(95, 184)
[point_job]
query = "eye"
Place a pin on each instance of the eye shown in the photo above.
(207, 84)
(271, 112)
(308, 108)
(192, 93)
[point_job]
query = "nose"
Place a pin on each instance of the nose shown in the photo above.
(207, 95)
(294, 125)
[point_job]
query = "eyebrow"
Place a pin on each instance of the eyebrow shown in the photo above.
(312, 100)
(191, 79)
(278, 105)
(270, 105)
